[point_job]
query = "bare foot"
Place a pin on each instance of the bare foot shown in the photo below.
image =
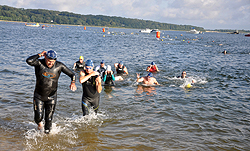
(40, 126)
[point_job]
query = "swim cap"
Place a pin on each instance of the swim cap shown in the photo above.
(51, 54)
(121, 63)
(102, 62)
(108, 68)
(150, 75)
(81, 57)
(89, 63)
(152, 63)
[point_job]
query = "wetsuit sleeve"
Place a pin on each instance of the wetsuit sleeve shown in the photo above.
(33, 60)
(68, 72)
(104, 78)
(113, 77)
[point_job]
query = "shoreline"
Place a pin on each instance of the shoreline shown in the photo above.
(207, 31)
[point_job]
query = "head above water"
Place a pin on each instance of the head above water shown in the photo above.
(81, 58)
(51, 54)
(108, 68)
(150, 75)
(102, 62)
(89, 63)
(152, 63)
(121, 63)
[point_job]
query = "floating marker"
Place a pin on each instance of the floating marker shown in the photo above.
(84, 27)
(158, 34)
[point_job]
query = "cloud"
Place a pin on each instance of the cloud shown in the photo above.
(209, 14)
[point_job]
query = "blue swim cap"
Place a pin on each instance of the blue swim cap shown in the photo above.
(152, 63)
(102, 62)
(121, 63)
(51, 54)
(150, 75)
(89, 63)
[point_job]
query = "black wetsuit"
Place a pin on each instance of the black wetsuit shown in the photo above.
(109, 79)
(90, 96)
(101, 70)
(79, 65)
(120, 70)
(45, 94)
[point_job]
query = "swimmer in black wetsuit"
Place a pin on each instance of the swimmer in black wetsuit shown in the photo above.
(101, 68)
(120, 68)
(91, 86)
(47, 73)
(109, 77)
(80, 64)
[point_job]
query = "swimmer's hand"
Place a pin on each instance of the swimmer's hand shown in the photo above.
(73, 86)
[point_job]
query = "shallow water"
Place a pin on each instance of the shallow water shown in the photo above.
(211, 115)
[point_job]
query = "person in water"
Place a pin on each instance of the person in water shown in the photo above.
(120, 68)
(225, 52)
(148, 80)
(152, 68)
(80, 64)
(183, 75)
(101, 68)
(47, 73)
(109, 77)
(91, 86)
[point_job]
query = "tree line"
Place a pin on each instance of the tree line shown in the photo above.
(56, 17)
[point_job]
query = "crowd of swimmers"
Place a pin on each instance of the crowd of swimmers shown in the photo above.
(48, 70)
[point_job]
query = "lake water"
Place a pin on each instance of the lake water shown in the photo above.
(214, 114)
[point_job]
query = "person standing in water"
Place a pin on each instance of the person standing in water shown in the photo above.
(152, 68)
(91, 86)
(120, 68)
(101, 68)
(109, 77)
(47, 73)
(80, 64)
(148, 80)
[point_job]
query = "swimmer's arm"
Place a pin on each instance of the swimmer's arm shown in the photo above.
(148, 68)
(156, 68)
(104, 78)
(74, 66)
(126, 70)
(98, 84)
(116, 64)
(138, 78)
(84, 78)
(33, 60)
(113, 77)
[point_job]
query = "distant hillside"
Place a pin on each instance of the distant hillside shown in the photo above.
(56, 17)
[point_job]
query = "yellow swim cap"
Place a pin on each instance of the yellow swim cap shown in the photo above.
(81, 57)
(189, 85)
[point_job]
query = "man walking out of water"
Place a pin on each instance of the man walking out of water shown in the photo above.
(47, 73)
(148, 80)
(91, 86)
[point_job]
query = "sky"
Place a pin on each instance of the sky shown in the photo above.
(209, 14)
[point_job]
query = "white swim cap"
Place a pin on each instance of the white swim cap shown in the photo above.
(108, 68)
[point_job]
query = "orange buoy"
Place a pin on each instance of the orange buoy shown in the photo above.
(84, 27)
(103, 30)
(158, 34)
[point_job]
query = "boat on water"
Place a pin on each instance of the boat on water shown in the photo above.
(154, 30)
(247, 35)
(193, 31)
(236, 32)
(32, 25)
(147, 30)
